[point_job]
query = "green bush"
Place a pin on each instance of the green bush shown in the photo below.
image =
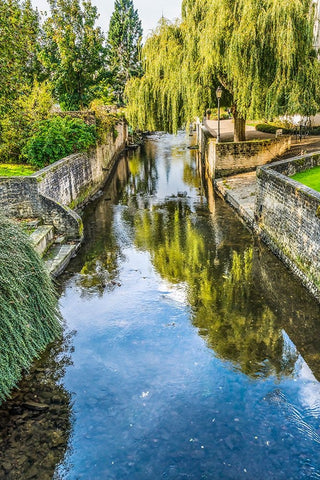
(16, 126)
(314, 131)
(266, 128)
(29, 308)
(269, 128)
(57, 137)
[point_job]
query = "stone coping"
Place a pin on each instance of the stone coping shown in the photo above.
(284, 169)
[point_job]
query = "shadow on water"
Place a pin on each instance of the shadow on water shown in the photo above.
(36, 423)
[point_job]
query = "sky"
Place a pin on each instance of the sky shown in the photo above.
(150, 11)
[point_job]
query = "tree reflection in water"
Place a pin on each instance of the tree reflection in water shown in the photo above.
(97, 265)
(226, 308)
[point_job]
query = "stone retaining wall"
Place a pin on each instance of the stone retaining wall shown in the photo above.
(230, 158)
(54, 191)
(72, 180)
(287, 215)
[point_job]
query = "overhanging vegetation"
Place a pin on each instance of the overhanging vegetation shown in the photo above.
(30, 318)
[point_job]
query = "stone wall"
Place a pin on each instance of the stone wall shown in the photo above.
(72, 180)
(20, 198)
(229, 158)
(54, 191)
(232, 158)
(287, 214)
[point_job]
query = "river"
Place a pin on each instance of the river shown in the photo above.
(189, 350)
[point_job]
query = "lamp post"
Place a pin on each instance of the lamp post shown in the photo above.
(219, 95)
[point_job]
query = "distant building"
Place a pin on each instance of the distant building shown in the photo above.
(317, 24)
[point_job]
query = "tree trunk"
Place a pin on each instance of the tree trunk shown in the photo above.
(239, 126)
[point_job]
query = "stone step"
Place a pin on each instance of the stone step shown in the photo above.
(58, 257)
(42, 238)
(33, 222)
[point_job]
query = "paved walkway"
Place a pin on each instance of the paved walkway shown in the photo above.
(227, 128)
(240, 192)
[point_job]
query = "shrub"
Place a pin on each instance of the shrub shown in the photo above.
(16, 125)
(107, 118)
(29, 309)
(270, 128)
(57, 137)
(314, 131)
(266, 128)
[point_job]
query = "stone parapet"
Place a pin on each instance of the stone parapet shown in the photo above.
(230, 158)
(239, 157)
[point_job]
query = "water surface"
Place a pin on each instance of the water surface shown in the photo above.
(190, 352)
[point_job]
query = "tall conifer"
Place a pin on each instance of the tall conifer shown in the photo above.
(124, 41)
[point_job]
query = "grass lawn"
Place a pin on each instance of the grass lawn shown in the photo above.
(310, 178)
(12, 170)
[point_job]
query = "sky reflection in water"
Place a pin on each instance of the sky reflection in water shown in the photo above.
(196, 355)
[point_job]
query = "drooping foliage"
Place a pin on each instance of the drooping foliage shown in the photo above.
(73, 52)
(29, 309)
(156, 100)
(260, 51)
(123, 43)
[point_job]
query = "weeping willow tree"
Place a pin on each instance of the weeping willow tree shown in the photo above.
(29, 307)
(156, 100)
(260, 51)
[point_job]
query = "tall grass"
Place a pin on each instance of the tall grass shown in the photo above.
(29, 315)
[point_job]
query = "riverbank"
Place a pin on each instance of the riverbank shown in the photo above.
(240, 190)
(49, 198)
(282, 212)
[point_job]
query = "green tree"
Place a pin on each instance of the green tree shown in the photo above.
(260, 51)
(73, 52)
(17, 123)
(19, 34)
(124, 42)
(156, 101)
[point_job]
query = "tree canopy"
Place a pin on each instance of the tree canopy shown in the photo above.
(123, 43)
(19, 31)
(260, 51)
(73, 52)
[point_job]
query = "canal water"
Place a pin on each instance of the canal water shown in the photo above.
(189, 351)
